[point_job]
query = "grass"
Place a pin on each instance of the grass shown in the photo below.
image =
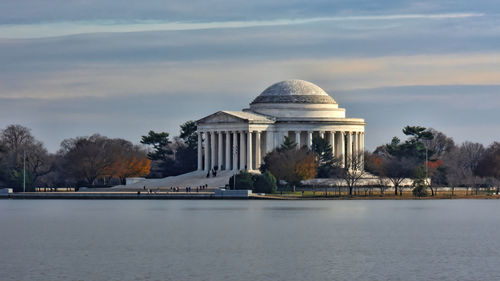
(375, 194)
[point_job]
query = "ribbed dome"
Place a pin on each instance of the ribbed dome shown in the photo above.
(294, 91)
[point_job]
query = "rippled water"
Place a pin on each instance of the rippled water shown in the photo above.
(249, 240)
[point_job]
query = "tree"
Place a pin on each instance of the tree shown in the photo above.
(288, 144)
(172, 158)
(353, 170)
(186, 154)
(291, 165)
(160, 143)
(414, 146)
(265, 183)
(461, 163)
(244, 181)
(414, 149)
(374, 164)
(439, 144)
(328, 165)
(397, 170)
(188, 134)
(489, 163)
(23, 158)
(86, 158)
(128, 161)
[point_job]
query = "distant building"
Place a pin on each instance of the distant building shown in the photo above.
(238, 140)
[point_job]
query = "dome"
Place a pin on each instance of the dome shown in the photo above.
(294, 91)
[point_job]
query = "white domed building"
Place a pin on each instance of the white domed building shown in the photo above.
(238, 140)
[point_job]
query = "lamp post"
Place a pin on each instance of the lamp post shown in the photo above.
(426, 164)
(24, 171)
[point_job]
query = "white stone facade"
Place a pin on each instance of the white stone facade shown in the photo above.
(239, 140)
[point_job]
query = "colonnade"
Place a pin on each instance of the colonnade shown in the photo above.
(229, 150)
(244, 149)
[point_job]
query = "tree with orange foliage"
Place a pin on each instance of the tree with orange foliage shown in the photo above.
(85, 159)
(291, 165)
(128, 161)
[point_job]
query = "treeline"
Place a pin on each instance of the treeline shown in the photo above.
(101, 161)
(83, 161)
(92, 161)
(427, 157)
(427, 153)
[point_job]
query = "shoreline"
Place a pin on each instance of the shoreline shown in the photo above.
(212, 196)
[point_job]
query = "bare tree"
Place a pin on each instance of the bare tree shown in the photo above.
(460, 164)
(86, 158)
(353, 170)
(24, 158)
(440, 144)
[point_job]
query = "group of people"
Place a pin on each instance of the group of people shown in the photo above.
(175, 189)
(213, 171)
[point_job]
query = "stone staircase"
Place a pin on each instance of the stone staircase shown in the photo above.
(193, 179)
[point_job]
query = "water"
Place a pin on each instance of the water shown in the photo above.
(249, 240)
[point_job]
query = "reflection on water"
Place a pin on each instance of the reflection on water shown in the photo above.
(249, 240)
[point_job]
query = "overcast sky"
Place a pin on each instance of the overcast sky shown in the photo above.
(122, 68)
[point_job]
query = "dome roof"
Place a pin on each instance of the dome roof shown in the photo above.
(294, 91)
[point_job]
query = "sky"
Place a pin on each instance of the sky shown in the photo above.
(122, 68)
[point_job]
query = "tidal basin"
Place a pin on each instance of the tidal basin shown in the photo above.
(249, 240)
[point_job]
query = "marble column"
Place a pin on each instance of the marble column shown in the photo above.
(322, 134)
(207, 156)
(269, 141)
(200, 156)
(355, 147)
(257, 150)
(243, 150)
(341, 148)
(212, 150)
(235, 150)
(362, 147)
(349, 149)
(331, 141)
(227, 166)
(297, 139)
(309, 139)
(249, 151)
(220, 161)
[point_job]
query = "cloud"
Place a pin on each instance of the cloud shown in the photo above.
(54, 29)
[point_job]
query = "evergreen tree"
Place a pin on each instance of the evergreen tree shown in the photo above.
(160, 143)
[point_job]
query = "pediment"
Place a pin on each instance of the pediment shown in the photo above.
(221, 117)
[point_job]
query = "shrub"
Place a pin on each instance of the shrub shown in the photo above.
(265, 183)
(243, 181)
(420, 191)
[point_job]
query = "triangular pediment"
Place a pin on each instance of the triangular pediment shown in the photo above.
(222, 117)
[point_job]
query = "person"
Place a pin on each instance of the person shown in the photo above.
(138, 192)
(144, 188)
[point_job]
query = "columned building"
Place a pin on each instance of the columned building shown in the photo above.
(239, 140)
